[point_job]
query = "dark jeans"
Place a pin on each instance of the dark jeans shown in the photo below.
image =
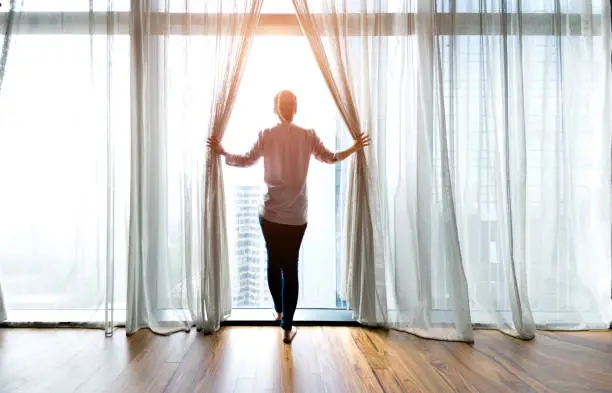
(283, 245)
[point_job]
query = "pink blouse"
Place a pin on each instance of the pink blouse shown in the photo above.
(286, 150)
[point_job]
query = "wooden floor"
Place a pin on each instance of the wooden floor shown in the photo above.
(321, 359)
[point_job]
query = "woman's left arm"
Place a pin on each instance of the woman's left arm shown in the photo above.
(239, 160)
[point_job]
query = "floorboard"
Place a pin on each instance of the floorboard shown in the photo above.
(242, 359)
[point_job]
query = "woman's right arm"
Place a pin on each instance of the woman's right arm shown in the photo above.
(322, 154)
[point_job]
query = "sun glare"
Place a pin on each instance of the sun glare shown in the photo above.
(274, 64)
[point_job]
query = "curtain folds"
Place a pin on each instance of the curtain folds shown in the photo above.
(4, 49)
(64, 159)
(178, 266)
(482, 200)
(335, 60)
(215, 278)
(384, 287)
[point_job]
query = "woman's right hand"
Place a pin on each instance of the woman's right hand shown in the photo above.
(214, 145)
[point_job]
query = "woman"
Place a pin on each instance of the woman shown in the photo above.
(286, 149)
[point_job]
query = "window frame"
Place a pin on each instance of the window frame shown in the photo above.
(287, 24)
(380, 24)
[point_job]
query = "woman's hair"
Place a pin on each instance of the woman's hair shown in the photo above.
(285, 105)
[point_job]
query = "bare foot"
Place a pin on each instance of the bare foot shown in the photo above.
(277, 315)
(288, 336)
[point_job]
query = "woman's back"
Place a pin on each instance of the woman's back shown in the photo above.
(286, 149)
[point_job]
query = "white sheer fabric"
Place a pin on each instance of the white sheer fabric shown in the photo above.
(86, 192)
(2, 307)
(391, 245)
(64, 163)
(523, 108)
(178, 272)
(336, 59)
(491, 128)
(490, 166)
(6, 33)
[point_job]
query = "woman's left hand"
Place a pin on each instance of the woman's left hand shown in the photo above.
(214, 145)
(363, 140)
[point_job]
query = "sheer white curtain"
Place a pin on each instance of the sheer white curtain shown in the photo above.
(103, 154)
(64, 161)
(188, 59)
(525, 102)
(6, 34)
(403, 230)
(341, 60)
(491, 128)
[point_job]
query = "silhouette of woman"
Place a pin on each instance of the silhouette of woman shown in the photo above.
(286, 149)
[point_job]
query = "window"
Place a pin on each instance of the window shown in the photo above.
(277, 63)
(53, 60)
(56, 157)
